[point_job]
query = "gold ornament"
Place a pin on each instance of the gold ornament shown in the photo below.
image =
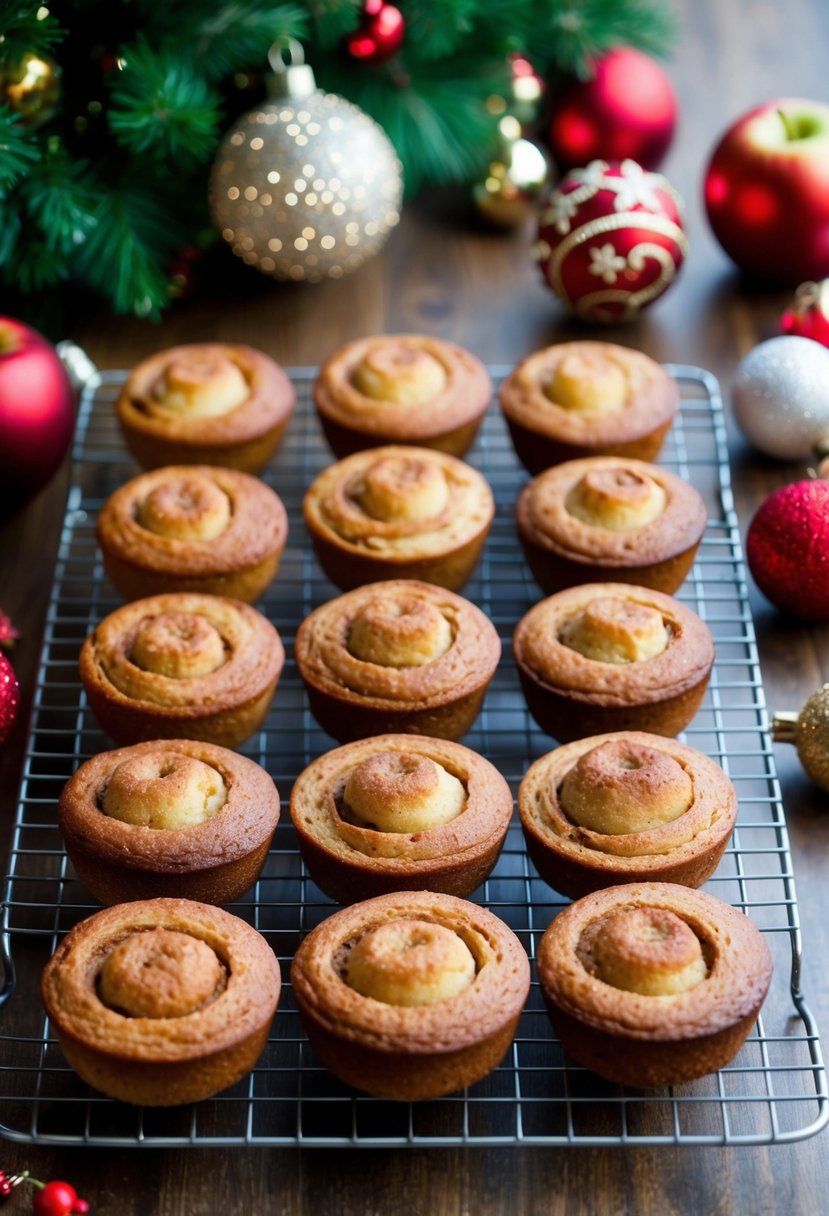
(31, 89)
(809, 731)
(516, 181)
(307, 186)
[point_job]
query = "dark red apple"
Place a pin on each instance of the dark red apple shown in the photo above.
(767, 191)
(37, 412)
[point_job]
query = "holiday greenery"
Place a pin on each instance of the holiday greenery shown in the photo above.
(112, 110)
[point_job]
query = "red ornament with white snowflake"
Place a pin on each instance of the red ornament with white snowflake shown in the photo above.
(611, 240)
(808, 316)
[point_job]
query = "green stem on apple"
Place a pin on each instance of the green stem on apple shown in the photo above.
(789, 125)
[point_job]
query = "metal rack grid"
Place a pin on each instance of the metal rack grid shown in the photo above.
(774, 1091)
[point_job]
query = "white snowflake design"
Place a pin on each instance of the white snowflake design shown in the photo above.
(560, 212)
(606, 263)
(636, 187)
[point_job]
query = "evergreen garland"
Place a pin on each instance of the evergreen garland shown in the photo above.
(107, 190)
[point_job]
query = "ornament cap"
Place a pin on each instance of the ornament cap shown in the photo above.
(784, 727)
(292, 77)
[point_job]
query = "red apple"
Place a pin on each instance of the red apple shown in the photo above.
(767, 191)
(627, 111)
(37, 412)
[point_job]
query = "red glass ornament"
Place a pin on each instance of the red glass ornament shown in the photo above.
(9, 697)
(809, 315)
(627, 109)
(381, 32)
(58, 1199)
(611, 240)
(787, 547)
(37, 412)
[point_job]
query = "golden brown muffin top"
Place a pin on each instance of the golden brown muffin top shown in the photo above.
(161, 980)
(654, 961)
(400, 642)
(589, 393)
(402, 387)
(611, 509)
(193, 520)
(399, 503)
(407, 922)
(615, 643)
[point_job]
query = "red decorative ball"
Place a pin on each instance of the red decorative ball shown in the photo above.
(37, 412)
(788, 549)
(808, 316)
(611, 240)
(628, 109)
(58, 1199)
(381, 32)
(767, 191)
(9, 697)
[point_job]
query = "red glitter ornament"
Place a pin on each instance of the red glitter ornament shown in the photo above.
(381, 32)
(611, 240)
(788, 549)
(9, 697)
(809, 315)
(627, 109)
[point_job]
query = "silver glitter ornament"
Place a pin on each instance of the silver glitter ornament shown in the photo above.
(307, 186)
(781, 397)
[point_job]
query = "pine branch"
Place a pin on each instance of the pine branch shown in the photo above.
(61, 197)
(18, 149)
(240, 35)
(333, 20)
(26, 28)
(436, 28)
(10, 228)
(576, 31)
(34, 266)
(162, 105)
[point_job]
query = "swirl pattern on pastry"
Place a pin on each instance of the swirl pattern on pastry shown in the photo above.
(161, 1001)
(399, 642)
(410, 962)
(402, 387)
(399, 503)
(400, 811)
(618, 961)
(192, 521)
(619, 622)
(617, 807)
(590, 394)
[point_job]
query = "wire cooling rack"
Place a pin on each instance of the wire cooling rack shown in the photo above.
(773, 1092)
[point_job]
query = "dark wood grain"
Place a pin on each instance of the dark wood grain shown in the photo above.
(441, 273)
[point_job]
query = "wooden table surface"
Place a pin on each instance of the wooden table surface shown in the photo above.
(442, 273)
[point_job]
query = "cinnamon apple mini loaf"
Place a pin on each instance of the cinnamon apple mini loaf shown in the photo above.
(587, 398)
(182, 666)
(411, 996)
(192, 528)
(163, 1001)
(206, 403)
(653, 984)
(396, 512)
(401, 388)
(398, 656)
(168, 817)
(612, 656)
(400, 812)
(625, 807)
(606, 518)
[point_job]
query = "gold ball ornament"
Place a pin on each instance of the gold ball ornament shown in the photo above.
(517, 180)
(307, 186)
(809, 731)
(31, 89)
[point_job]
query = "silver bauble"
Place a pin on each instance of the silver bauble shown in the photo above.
(781, 397)
(307, 186)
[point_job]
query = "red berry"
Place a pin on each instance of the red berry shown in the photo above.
(81, 1207)
(56, 1199)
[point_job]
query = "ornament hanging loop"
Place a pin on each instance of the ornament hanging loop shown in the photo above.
(291, 77)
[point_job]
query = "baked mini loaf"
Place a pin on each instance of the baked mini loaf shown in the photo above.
(396, 657)
(192, 528)
(172, 817)
(182, 666)
(652, 983)
(163, 1001)
(206, 403)
(401, 388)
(400, 813)
(587, 398)
(411, 996)
(610, 657)
(625, 808)
(397, 512)
(607, 518)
